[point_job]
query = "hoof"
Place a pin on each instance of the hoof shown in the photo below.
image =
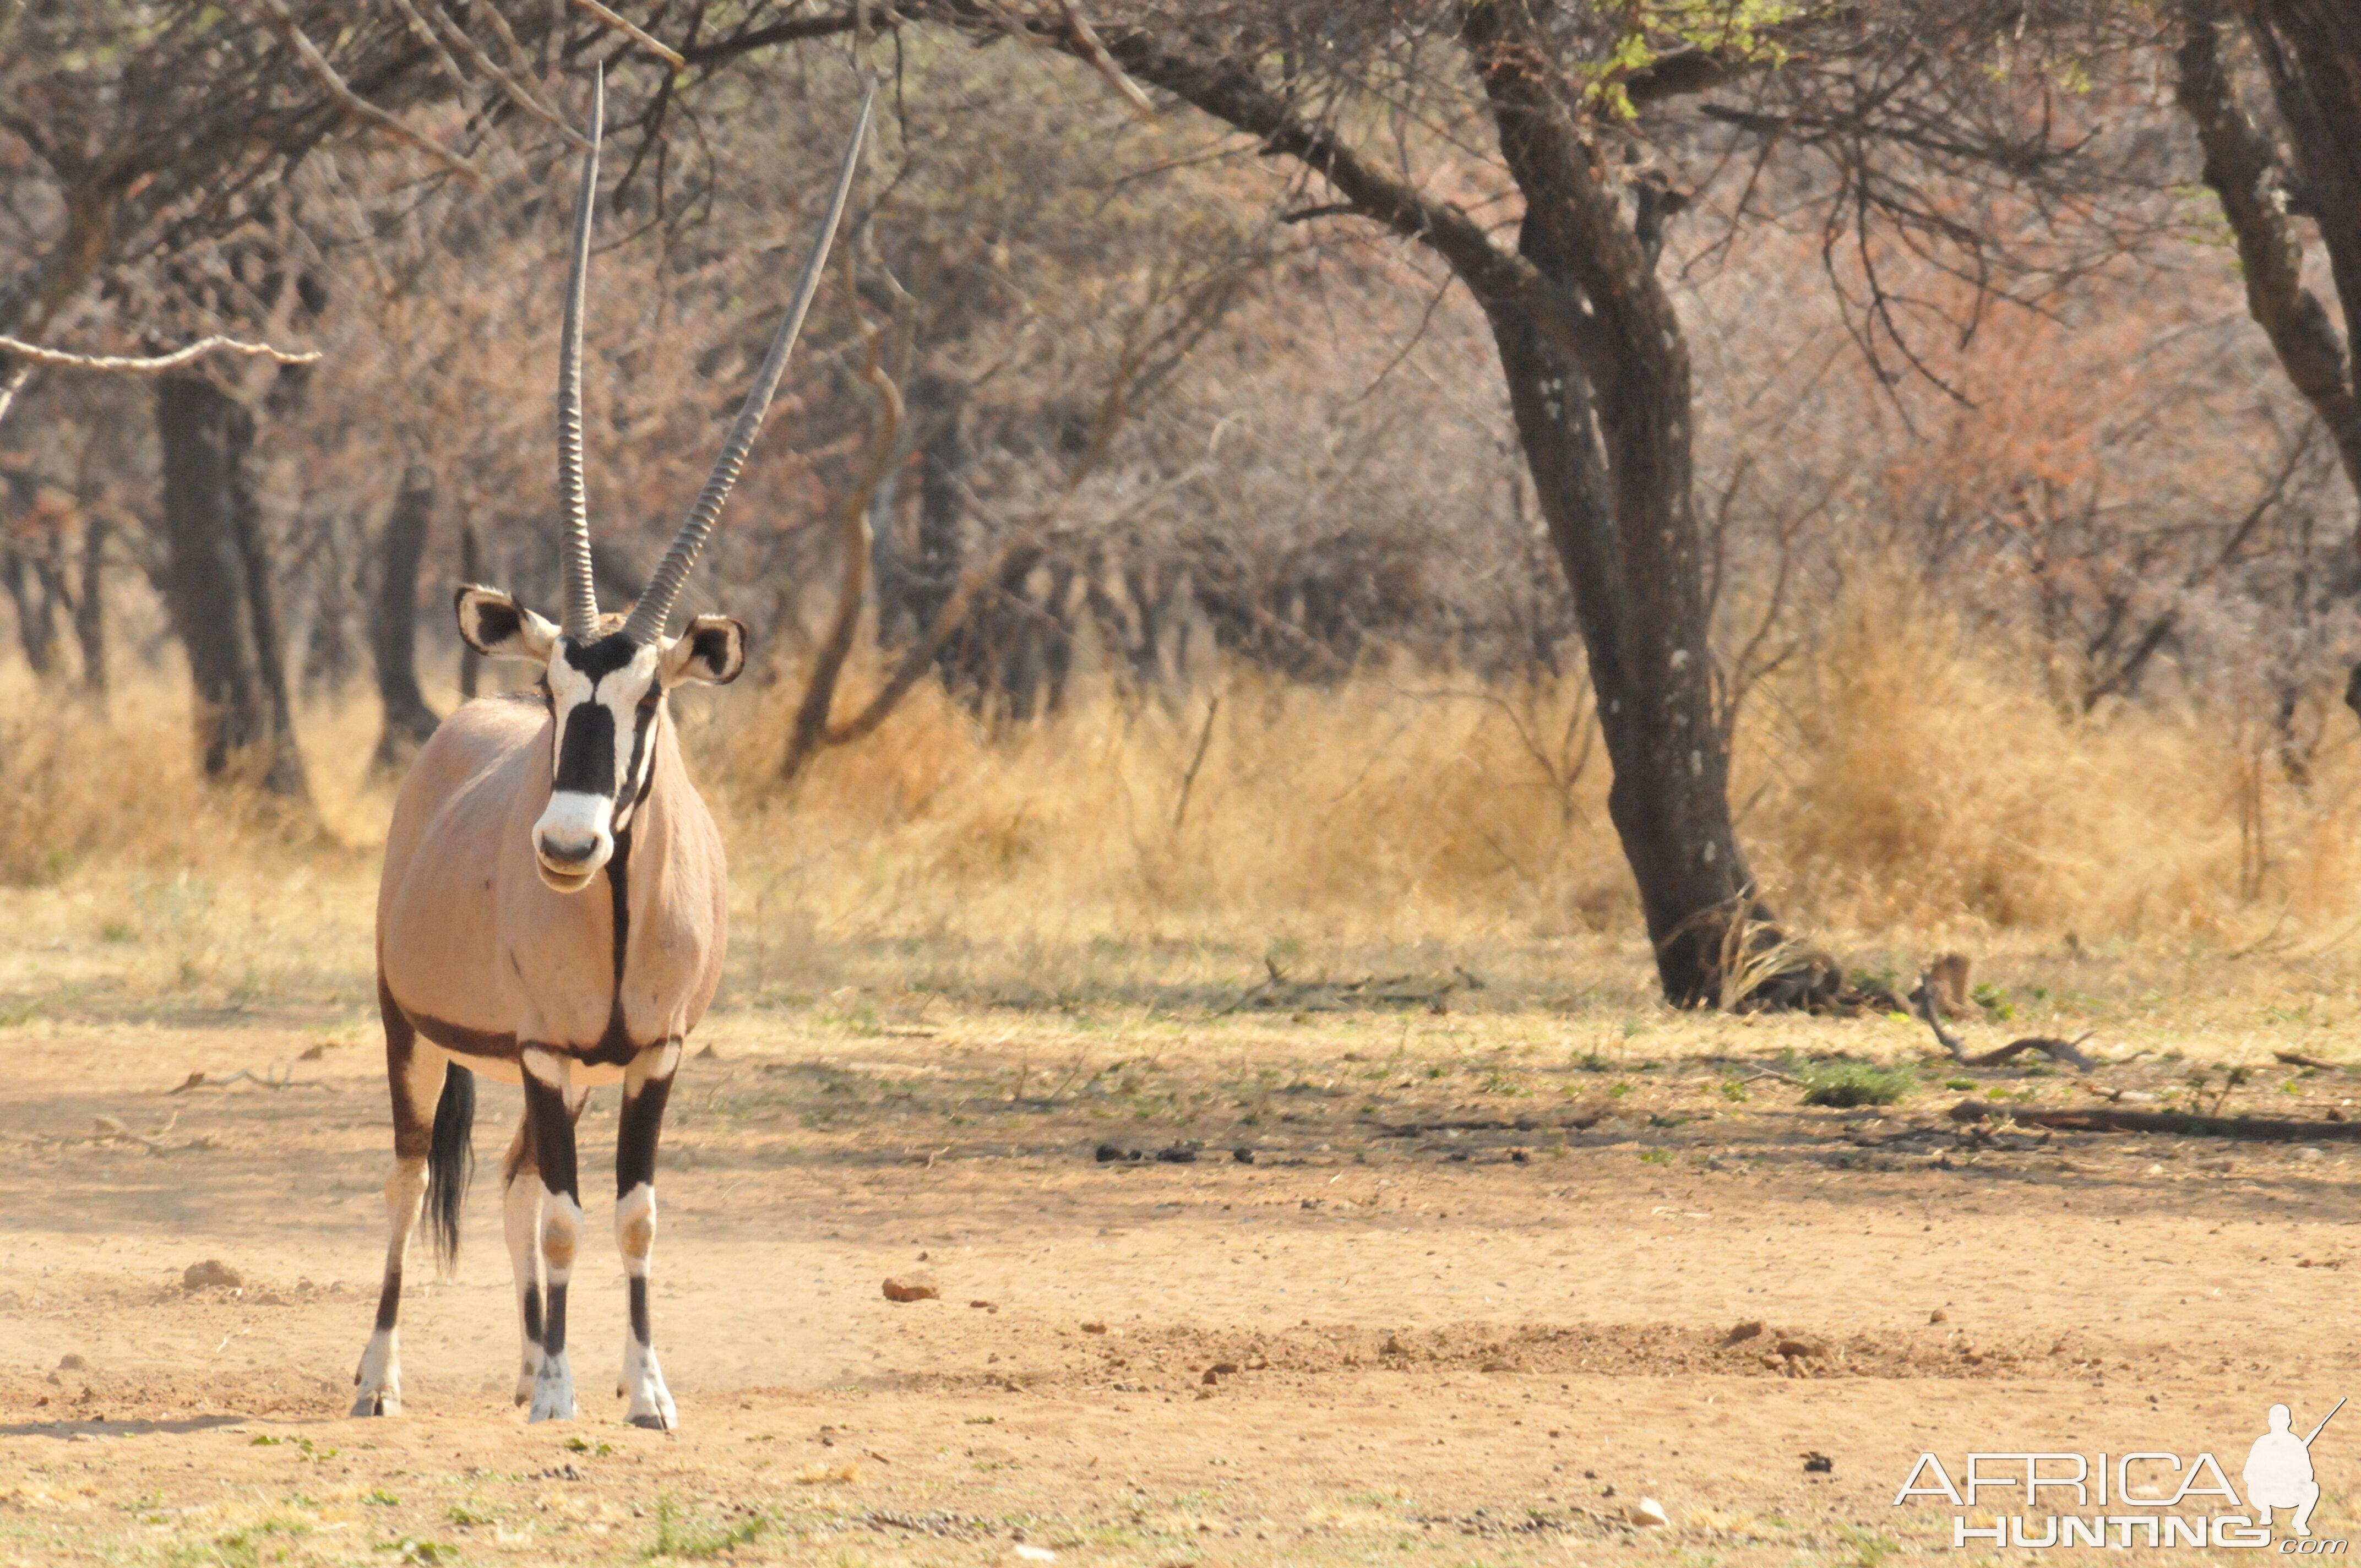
(553, 1392)
(650, 1424)
(381, 1402)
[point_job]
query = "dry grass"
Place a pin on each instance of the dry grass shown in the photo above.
(1899, 788)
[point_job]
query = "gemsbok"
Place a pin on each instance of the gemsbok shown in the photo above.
(495, 953)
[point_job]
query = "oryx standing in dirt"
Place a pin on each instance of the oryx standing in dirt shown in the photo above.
(497, 948)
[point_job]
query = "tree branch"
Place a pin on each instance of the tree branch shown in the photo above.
(283, 22)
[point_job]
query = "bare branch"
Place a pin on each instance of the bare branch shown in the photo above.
(665, 52)
(152, 365)
(282, 20)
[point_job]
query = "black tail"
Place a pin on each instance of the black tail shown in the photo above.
(451, 1162)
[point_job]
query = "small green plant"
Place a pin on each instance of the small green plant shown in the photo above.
(378, 1496)
(595, 1449)
(1994, 1000)
(1591, 1061)
(1735, 1092)
(1656, 1157)
(680, 1536)
(1847, 1085)
(1617, 1090)
(467, 1514)
(1958, 1083)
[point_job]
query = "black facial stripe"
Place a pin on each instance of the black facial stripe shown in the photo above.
(586, 757)
(604, 657)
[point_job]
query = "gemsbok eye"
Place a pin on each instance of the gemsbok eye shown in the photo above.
(555, 903)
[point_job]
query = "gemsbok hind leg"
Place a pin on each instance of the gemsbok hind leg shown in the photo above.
(415, 1073)
(549, 1108)
(647, 1084)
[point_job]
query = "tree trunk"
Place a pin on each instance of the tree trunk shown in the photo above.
(218, 588)
(1581, 303)
(1626, 531)
(89, 606)
(1668, 799)
(393, 622)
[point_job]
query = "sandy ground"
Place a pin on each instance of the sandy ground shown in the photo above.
(1471, 1343)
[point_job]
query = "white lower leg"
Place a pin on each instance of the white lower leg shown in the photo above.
(561, 1238)
(377, 1384)
(643, 1385)
(520, 1220)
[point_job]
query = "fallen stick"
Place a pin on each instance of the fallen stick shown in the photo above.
(2255, 1128)
(2056, 1051)
(2296, 1058)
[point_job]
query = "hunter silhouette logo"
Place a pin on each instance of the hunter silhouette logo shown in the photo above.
(2279, 1471)
(2151, 1497)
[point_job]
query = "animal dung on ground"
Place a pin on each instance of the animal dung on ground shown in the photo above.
(1648, 1513)
(915, 1288)
(1819, 1464)
(213, 1274)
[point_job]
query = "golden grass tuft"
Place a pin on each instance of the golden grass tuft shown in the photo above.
(1904, 785)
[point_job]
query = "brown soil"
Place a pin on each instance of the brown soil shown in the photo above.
(1429, 1329)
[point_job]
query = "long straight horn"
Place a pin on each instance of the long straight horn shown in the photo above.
(581, 593)
(653, 610)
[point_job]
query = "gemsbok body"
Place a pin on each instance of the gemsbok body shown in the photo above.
(555, 902)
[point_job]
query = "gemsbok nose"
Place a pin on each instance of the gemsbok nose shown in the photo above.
(572, 839)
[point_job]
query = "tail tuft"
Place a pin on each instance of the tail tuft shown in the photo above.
(451, 1163)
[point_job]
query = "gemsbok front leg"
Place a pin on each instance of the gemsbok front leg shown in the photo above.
(520, 1225)
(549, 1082)
(647, 1084)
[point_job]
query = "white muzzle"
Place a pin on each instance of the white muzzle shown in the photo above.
(574, 838)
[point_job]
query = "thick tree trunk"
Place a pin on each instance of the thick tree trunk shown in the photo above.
(1668, 801)
(393, 622)
(1625, 530)
(218, 588)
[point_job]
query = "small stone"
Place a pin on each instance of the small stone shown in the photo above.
(1037, 1554)
(1176, 1155)
(1649, 1514)
(1224, 1369)
(1212, 1375)
(213, 1274)
(1496, 1364)
(108, 1127)
(72, 1362)
(985, 1305)
(1093, 1328)
(1939, 1316)
(2308, 1153)
(1751, 1329)
(1242, 1155)
(916, 1287)
(1393, 1346)
(1802, 1347)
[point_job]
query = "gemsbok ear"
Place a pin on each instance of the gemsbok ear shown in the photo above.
(498, 627)
(712, 652)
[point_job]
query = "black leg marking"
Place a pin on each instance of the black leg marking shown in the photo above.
(389, 1300)
(640, 1326)
(635, 1141)
(532, 1318)
(552, 1121)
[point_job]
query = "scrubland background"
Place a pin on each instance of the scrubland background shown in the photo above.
(2040, 651)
